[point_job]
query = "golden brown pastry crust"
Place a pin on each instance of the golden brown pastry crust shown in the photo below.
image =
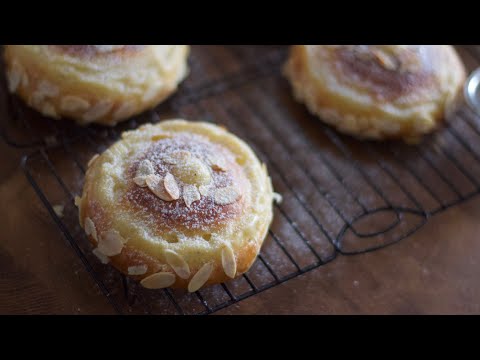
(102, 84)
(135, 224)
(377, 91)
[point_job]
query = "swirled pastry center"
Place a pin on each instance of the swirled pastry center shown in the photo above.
(184, 181)
(387, 72)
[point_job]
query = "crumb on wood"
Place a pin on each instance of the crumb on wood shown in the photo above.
(58, 210)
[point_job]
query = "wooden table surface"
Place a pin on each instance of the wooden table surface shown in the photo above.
(434, 271)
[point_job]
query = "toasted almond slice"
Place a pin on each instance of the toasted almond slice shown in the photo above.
(204, 190)
(161, 136)
(103, 258)
(36, 99)
(125, 110)
(140, 181)
(92, 160)
(190, 195)
(49, 110)
(178, 264)
(277, 198)
(178, 157)
(111, 243)
(217, 163)
(228, 262)
(226, 195)
(145, 168)
(78, 201)
(74, 103)
(151, 93)
(90, 228)
(137, 270)
(217, 167)
(158, 281)
(171, 186)
(153, 181)
(48, 89)
(97, 111)
(59, 210)
(156, 186)
(200, 278)
(81, 210)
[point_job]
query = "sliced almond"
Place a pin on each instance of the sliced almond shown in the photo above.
(226, 195)
(218, 167)
(71, 103)
(156, 186)
(277, 198)
(161, 136)
(59, 210)
(190, 195)
(154, 183)
(137, 270)
(171, 186)
(200, 278)
(140, 181)
(228, 262)
(145, 168)
(158, 281)
(49, 110)
(177, 157)
(97, 111)
(124, 111)
(151, 93)
(48, 89)
(217, 163)
(204, 190)
(78, 201)
(178, 264)
(92, 160)
(103, 258)
(111, 243)
(90, 229)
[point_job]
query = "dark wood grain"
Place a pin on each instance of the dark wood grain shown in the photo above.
(434, 271)
(39, 273)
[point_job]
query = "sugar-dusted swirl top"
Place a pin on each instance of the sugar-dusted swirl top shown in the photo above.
(184, 181)
(386, 72)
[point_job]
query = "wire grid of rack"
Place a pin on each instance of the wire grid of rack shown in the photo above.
(340, 196)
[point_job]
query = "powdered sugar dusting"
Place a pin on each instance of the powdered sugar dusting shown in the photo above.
(196, 171)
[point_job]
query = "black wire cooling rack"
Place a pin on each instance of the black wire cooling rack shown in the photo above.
(340, 196)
